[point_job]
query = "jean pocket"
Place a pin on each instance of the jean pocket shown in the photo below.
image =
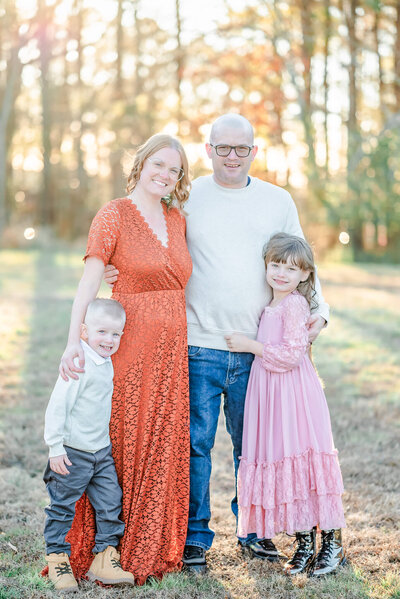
(193, 351)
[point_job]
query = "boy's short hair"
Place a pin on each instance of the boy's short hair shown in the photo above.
(108, 307)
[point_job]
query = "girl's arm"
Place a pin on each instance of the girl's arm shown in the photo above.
(289, 352)
(283, 356)
(240, 343)
(87, 291)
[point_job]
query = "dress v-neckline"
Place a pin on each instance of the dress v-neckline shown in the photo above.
(150, 229)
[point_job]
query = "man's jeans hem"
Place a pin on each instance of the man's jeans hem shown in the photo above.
(197, 544)
(251, 538)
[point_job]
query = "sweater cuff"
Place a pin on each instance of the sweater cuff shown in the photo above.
(56, 450)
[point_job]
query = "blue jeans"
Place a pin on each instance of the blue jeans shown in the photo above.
(213, 372)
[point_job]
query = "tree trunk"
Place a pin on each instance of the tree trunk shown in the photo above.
(14, 69)
(327, 37)
(46, 208)
(353, 138)
(397, 59)
(179, 63)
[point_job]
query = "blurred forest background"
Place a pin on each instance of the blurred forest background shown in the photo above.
(82, 82)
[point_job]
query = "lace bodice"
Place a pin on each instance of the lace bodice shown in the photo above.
(284, 333)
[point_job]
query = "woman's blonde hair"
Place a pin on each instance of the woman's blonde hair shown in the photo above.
(283, 247)
(152, 145)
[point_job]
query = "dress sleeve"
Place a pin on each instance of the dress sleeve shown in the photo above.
(285, 355)
(104, 233)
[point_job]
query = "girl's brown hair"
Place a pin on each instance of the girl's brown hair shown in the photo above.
(283, 247)
(152, 145)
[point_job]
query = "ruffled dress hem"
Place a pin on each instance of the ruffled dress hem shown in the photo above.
(290, 495)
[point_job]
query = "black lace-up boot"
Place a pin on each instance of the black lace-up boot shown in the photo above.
(303, 558)
(331, 554)
(194, 560)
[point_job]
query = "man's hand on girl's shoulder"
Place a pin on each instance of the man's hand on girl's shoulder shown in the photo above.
(315, 325)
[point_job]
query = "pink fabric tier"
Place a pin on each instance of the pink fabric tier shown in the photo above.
(289, 476)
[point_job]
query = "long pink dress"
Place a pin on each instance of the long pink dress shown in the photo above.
(289, 476)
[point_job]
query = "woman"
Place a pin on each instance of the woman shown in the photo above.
(145, 239)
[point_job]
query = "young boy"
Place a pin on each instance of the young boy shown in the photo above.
(80, 460)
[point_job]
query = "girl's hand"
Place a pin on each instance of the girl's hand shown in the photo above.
(238, 343)
(67, 366)
(59, 464)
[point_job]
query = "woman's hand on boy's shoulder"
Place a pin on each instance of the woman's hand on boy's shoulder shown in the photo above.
(68, 368)
(59, 464)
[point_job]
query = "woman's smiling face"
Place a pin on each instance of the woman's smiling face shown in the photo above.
(158, 173)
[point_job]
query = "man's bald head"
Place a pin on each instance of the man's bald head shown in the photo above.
(231, 121)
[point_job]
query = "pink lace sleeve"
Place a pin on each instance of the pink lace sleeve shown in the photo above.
(104, 231)
(287, 354)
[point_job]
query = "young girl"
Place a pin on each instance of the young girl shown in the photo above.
(289, 476)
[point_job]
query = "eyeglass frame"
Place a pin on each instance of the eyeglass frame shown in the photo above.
(163, 165)
(250, 148)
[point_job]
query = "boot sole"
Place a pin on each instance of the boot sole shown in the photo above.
(118, 581)
(197, 569)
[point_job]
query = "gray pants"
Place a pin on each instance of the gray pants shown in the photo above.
(91, 472)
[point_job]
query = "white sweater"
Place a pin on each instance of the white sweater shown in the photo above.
(226, 230)
(78, 413)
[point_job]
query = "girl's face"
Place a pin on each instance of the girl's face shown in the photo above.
(284, 277)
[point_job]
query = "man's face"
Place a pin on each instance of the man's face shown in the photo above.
(231, 171)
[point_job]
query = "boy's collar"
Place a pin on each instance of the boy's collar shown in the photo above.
(97, 359)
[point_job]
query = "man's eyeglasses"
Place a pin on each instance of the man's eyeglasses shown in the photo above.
(175, 174)
(240, 151)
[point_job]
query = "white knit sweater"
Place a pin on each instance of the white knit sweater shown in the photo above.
(226, 231)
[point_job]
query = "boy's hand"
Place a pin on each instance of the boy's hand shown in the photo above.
(59, 464)
(67, 367)
(110, 275)
(238, 343)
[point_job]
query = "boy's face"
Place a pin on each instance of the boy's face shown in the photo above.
(103, 333)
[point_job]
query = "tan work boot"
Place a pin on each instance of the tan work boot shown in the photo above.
(60, 572)
(107, 568)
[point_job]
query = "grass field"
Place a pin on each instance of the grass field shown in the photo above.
(358, 357)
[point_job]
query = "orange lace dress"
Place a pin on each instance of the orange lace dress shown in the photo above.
(149, 425)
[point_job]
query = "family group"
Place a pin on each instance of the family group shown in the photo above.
(215, 297)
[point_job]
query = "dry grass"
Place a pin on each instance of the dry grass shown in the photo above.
(358, 357)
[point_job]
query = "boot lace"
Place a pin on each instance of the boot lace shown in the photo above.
(301, 550)
(326, 548)
(63, 568)
(116, 563)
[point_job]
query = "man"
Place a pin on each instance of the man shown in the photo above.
(230, 216)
